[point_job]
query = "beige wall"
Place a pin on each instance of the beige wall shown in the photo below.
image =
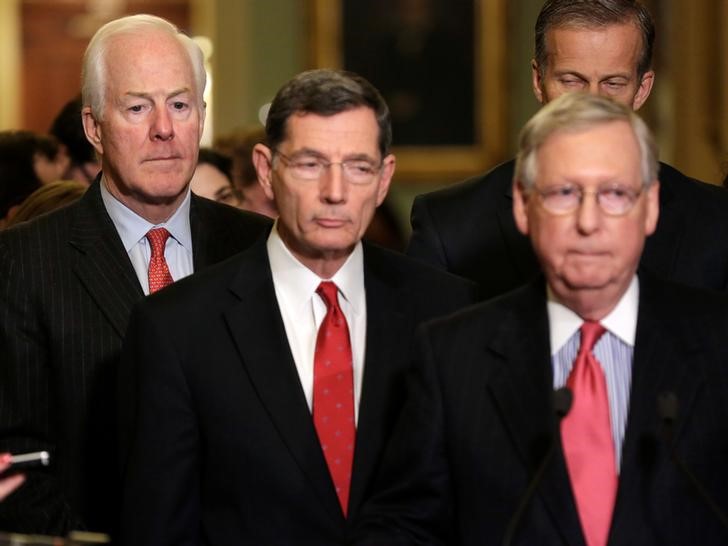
(9, 64)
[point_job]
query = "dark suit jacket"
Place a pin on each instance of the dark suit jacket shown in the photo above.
(67, 290)
(469, 230)
(222, 447)
(481, 419)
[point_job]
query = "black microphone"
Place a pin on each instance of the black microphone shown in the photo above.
(561, 401)
(668, 409)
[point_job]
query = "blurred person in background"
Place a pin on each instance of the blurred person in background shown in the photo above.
(239, 146)
(213, 178)
(47, 198)
(68, 129)
(27, 160)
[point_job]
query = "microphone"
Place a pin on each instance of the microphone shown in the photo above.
(561, 404)
(668, 409)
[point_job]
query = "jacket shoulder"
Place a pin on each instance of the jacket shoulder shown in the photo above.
(477, 191)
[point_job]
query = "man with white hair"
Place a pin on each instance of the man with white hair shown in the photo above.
(71, 278)
(484, 437)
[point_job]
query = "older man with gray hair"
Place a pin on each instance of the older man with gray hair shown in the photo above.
(598, 463)
(71, 277)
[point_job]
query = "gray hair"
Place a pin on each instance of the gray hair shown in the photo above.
(575, 112)
(326, 92)
(93, 74)
(594, 14)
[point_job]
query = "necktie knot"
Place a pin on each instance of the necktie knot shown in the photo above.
(590, 334)
(159, 275)
(157, 238)
(329, 292)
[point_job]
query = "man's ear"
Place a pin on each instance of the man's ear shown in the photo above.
(203, 117)
(536, 81)
(92, 128)
(653, 207)
(644, 89)
(520, 207)
(263, 162)
(385, 178)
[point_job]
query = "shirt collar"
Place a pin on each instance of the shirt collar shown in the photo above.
(622, 321)
(298, 283)
(132, 228)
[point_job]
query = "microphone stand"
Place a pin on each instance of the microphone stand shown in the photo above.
(667, 409)
(561, 405)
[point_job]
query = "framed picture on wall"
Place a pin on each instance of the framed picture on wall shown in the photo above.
(439, 65)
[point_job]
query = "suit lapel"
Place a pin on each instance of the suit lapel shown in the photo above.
(258, 332)
(101, 263)
(522, 390)
(386, 332)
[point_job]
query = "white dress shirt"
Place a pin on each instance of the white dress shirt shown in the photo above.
(614, 351)
(133, 229)
(303, 310)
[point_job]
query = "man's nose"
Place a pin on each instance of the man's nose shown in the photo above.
(162, 127)
(333, 186)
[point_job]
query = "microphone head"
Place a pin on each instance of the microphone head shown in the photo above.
(562, 401)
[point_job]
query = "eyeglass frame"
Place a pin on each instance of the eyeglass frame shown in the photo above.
(633, 194)
(326, 165)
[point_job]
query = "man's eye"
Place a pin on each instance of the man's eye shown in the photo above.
(570, 81)
(360, 167)
(614, 193)
(566, 191)
(136, 108)
(307, 164)
(179, 105)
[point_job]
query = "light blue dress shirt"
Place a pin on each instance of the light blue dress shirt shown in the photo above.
(133, 229)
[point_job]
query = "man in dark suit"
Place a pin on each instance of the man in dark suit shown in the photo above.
(228, 421)
(603, 47)
(70, 279)
(480, 423)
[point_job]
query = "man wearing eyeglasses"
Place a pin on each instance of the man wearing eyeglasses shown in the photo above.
(482, 426)
(262, 393)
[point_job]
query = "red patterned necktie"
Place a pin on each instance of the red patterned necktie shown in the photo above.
(587, 439)
(333, 393)
(159, 275)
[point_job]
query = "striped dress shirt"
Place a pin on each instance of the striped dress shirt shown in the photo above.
(614, 351)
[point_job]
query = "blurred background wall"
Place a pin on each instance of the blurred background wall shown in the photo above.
(256, 45)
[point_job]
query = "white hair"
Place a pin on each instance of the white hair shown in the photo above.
(93, 74)
(574, 112)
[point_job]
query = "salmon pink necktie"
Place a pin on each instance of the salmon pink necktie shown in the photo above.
(587, 438)
(159, 275)
(333, 393)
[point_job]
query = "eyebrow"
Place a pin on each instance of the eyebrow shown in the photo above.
(351, 157)
(567, 72)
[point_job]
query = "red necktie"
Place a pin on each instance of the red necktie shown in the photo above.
(333, 393)
(159, 275)
(587, 439)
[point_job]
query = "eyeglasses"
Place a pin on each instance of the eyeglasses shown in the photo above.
(613, 200)
(311, 168)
